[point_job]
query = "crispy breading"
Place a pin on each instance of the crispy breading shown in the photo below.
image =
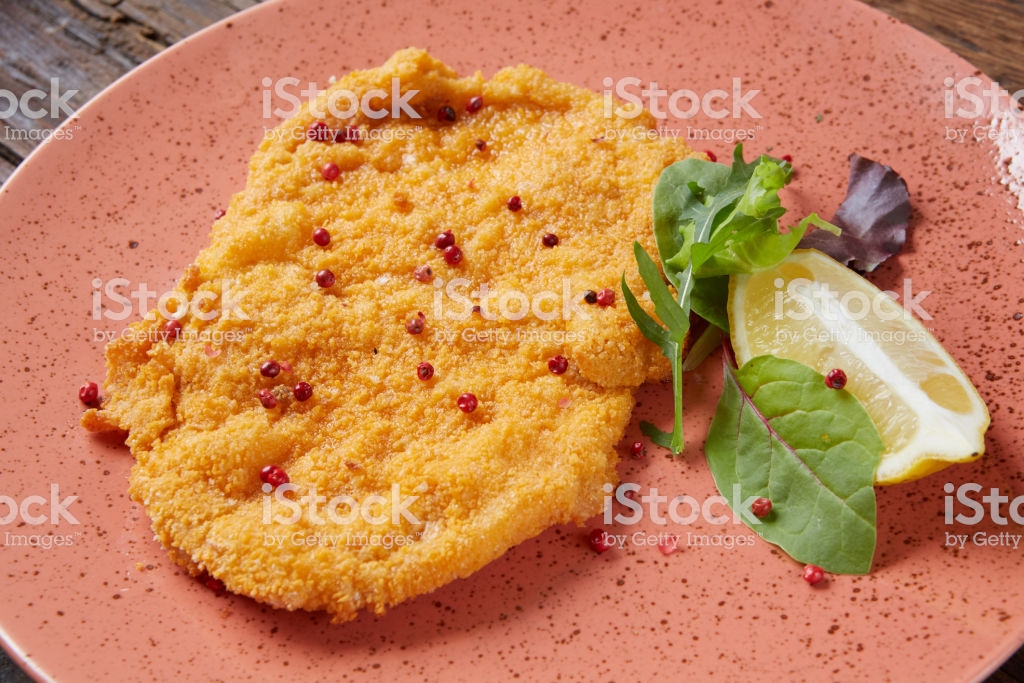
(539, 447)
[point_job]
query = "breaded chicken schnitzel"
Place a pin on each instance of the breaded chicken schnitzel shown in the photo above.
(397, 406)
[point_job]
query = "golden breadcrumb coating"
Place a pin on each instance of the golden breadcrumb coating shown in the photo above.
(537, 449)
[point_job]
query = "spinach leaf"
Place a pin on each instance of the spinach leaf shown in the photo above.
(710, 300)
(781, 433)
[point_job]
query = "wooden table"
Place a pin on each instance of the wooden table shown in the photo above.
(92, 42)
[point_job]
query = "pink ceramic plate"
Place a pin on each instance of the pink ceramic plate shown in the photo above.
(153, 158)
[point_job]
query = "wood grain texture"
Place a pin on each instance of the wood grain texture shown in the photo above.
(89, 43)
(86, 45)
(987, 33)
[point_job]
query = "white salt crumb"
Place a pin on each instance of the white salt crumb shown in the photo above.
(1009, 142)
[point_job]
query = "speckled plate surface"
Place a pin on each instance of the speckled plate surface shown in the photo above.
(154, 157)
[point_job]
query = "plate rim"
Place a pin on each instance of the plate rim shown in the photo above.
(1011, 642)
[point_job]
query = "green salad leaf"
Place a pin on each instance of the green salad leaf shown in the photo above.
(721, 219)
(710, 300)
(670, 339)
(710, 221)
(780, 433)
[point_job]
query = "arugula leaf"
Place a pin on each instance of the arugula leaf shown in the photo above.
(721, 220)
(670, 339)
(710, 220)
(780, 433)
(874, 217)
(708, 340)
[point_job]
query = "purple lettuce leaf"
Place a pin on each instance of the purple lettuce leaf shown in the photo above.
(874, 218)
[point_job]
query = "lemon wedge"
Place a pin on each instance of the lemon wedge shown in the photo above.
(812, 309)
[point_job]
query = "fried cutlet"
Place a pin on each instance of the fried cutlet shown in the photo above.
(215, 430)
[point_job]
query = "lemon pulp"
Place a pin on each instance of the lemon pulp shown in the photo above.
(816, 311)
